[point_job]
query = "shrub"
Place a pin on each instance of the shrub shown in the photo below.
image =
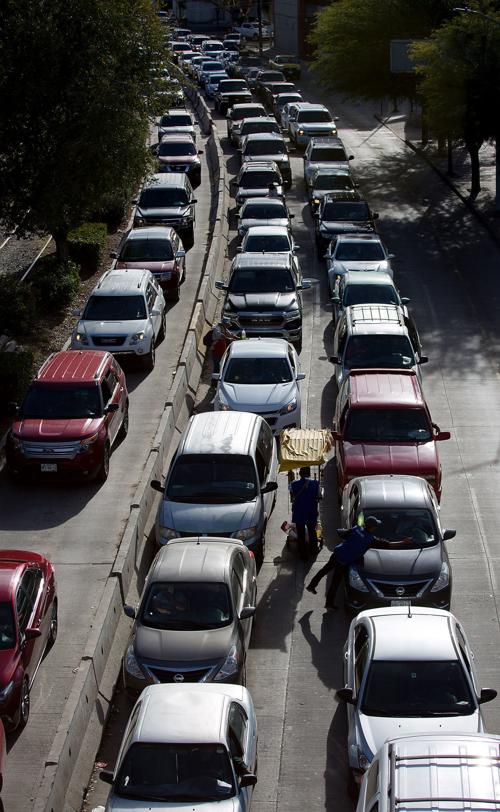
(87, 244)
(16, 372)
(17, 306)
(113, 210)
(55, 283)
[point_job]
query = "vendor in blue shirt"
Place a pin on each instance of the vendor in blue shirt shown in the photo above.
(305, 494)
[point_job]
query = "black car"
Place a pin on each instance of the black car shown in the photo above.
(342, 213)
(167, 199)
(265, 78)
(267, 147)
(230, 92)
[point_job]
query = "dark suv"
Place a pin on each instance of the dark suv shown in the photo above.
(342, 213)
(74, 410)
(263, 297)
(166, 199)
(230, 92)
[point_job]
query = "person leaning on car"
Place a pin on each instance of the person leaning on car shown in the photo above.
(356, 541)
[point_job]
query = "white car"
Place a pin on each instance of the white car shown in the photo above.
(364, 287)
(260, 211)
(250, 30)
(263, 239)
(191, 746)
(357, 252)
(179, 122)
(124, 314)
(261, 375)
(407, 669)
(310, 120)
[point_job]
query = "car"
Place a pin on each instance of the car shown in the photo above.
(268, 239)
(420, 570)
(195, 615)
(246, 62)
(208, 68)
(231, 92)
(325, 153)
(237, 113)
(233, 37)
(221, 481)
(75, 409)
(272, 90)
(230, 59)
(264, 297)
(182, 33)
(342, 213)
(310, 120)
(256, 125)
(176, 121)
(261, 375)
(287, 111)
(124, 314)
(167, 199)
(285, 98)
(212, 83)
(194, 742)
(257, 211)
(158, 249)
(265, 77)
(212, 48)
(357, 253)
(382, 425)
(257, 179)
(250, 30)
(251, 77)
(194, 64)
(178, 153)
(325, 181)
(407, 669)
(375, 337)
(179, 47)
(364, 287)
(287, 63)
(267, 147)
(28, 628)
(197, 40)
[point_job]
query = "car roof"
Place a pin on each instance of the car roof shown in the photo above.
(189, 715)
(376, 318)
(255, 166)
(261, 260)
(310, 106)
(367, 278)
(151, 233)
(259, 348)
(347, 195)
(379, 389)
(248, 105)
(264, 137)
(326, 141)
(339, 171)
(268, 230)
(165, 179)
(177, 138)
(177, 111)
(392, 491)
(73, 366)
(122, 282)
(260, 120)
(274, 201)
(199, 561)
(421, 633)
(357, 238)
(219, 433)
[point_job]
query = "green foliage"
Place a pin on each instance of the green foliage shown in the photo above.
(17, 306)
(16, 372)
(54, 283)
(87, 244)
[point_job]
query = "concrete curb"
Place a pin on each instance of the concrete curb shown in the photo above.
(84, 695)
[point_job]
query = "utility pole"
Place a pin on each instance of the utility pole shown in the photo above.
(259, 18)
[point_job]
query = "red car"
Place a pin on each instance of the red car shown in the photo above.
(74, 410)
(382, 425)
(28, 626)
(157, 249)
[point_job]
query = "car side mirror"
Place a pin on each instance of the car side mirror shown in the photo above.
(106, 776)
(135, 200)
(13, 409)
(239, 249)
(375, 215)
(442, 435)
(200, 152)
(306, 284)
(296, 247)
(216, 376)
(77, 312)
(194, 200)
(129, 611)
(271, 486)
(157, 486)
(334, 299)
(404, 299)
(248, 780)
(345, 695)
(487, 695)
(111, 407)
(423, 359)
(113, 254)
(291, 216)
(336, 436)
(246, 612)
(334, 359)
(32, 634)
(392, 256)
(351, 158)
(449, 534)
(301, 376)
(180, 254)
(220, 285)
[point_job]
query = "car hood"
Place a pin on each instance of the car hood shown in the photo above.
(261, 191)
(115, 804)
(263, 301)
(278, 221)
(322, 126)
(264, 397)
(149, 265)
(192, 518)
(354, 265)
(178, 159)
(115, 328)
(163, 211)
(47, 431)
(311, 166)
(279, 157)
(372, 731)
(174, 130)
(402, 563)
(172, 647)
(418, 459)
(346, 226)
(232, 95)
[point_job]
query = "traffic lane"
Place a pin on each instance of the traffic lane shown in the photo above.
(79, 528)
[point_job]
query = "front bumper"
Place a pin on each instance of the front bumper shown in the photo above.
(82, 464)
(357, 601)
(292, 335)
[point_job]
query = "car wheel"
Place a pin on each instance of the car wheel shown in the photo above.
(190, 236)
(53, 626)
(23, 713)
(149, 360)
(261, 552)
(124, 426)
(103, 471)
(163, 327)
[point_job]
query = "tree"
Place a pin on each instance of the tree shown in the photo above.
(78, 85)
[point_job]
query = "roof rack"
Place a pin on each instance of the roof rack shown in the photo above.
(375, 313)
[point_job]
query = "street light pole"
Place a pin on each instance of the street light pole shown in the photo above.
(259, 18)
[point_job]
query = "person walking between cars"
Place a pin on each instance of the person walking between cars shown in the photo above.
(305, 494)
(217, 340)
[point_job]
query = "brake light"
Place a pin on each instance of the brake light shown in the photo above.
(251, 554)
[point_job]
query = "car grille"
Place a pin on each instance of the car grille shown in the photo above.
(189, 533)
(51, 451)
(106, 341)
(392, 589)
(165, 676)
(265, 321)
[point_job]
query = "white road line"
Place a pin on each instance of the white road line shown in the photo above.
(23, 277)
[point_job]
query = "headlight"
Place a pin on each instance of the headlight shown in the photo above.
(290, 407)
(132, 667)
(88, 441)
(356, 582)
(82, 338)
(334, 131)
(137, 337)
(230, 667)
(167, 533)
(300, 132)
(6, 691)
(443, 578)
(317, 201)
(244, 535)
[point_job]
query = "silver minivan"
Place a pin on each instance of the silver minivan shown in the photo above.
(221, 482)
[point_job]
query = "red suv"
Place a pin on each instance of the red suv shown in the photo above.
(157, 249)
(382, 425)
(74, 410)
(28, 626)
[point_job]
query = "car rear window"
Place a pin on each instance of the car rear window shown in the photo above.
(148, 249)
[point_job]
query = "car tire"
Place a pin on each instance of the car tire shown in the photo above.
(175, 295)
(103, 470)
(53, 628)
(125, 423)
(149, 360)
(189, 238)
(261, 551)
(163, 327)
(23, 711)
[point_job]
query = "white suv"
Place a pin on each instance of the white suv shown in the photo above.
(124, 314)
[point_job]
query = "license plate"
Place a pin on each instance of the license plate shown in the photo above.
(48, 467)
(401, 603)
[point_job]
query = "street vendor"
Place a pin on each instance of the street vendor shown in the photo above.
(305, 494)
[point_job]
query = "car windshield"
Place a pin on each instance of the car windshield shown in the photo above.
(346, 211)
(259, 127)
(415, 526)
(359, 251)
(61, 402)
(7, 628)
(162, 198)
(313, 116)
(176, 148)
(267, 147)
(388, 426)
(262, 280)
(181, 46)
(264, 211)
(384, 351)
(175, 773)
(233, 85)
(258, 371)
(115, 308)
(268, 242)
(187, 606)
(287, 97)
(333, 182)
(370, 294)
(246, 112)
(258, 180)
(417, 688)
(212, 478)
(335, 154)
(153, 250)
(214, 67)
(181, 120)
